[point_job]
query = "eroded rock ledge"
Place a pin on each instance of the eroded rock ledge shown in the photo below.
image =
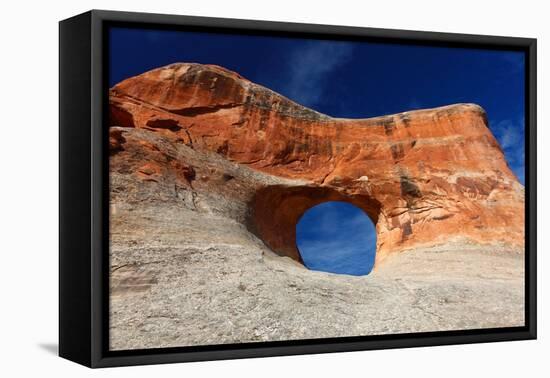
(189, 132)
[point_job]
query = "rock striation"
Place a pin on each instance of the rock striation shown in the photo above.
(425, 177)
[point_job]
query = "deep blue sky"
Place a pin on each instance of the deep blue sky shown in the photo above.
(337, 237)
(348, 79)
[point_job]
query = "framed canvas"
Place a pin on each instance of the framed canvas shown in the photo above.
(234, 188)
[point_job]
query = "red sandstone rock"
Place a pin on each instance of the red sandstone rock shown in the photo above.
(424, 177)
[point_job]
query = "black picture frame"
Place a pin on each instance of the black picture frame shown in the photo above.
(83, 196)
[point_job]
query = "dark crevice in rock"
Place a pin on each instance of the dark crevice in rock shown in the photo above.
(408, 187)
(164, 123)
(118, 116)
(407, 230)
(200, 110)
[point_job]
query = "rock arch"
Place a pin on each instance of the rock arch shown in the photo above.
(276, 210)
(424, 177)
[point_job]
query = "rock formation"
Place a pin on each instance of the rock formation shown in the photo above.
(209, 174)
(425, 177)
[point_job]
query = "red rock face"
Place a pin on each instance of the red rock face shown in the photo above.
(424, 177)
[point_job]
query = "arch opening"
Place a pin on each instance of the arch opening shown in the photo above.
(337, 237)
(274, 212)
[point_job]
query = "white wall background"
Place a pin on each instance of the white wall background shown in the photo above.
(29, 186)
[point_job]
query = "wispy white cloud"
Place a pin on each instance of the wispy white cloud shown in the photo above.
(510, 135)
(337, 237)
(310, 66)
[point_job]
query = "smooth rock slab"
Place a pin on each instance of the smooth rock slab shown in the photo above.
(209, 281)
